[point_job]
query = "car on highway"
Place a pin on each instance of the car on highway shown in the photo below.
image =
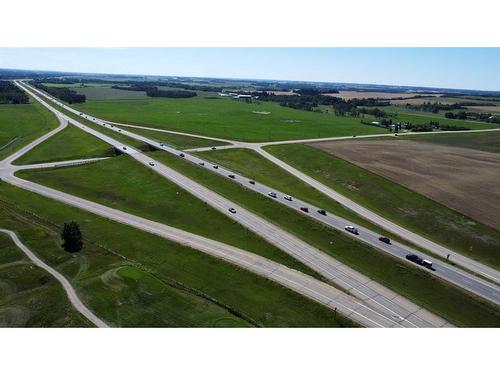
(423, 262)
(305, 209)
(251, 182)
(231, 176)
(151, 163)
(351, 229)
(232, 210)
(387, 240)
(161, 144)
(201, 163)
(272, 194)
(81, 113)
(214, 148)
(181, 155)
(288, 198)
(124, 147)
(322, 212)
(216, 166)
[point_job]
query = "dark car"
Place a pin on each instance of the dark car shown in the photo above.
(231, 176)
(384, 239)
(305, 209)
(322, 212)
(414, 258)
(181, 155)
(216, 166)
(251, 182)
(214, 148)
(201, 163)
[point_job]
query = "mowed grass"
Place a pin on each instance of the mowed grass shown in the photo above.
(454, 304)
(132, 278)
(176, 140)
(70, 143)
(226, 118)
(101, 91)
(397, 203)
(27, 122)
(30, 296)
(125, 184)
(487, 141)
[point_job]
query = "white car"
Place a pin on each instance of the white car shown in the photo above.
(351, 229)
(151, 163)
(288, 198)
(232, 210)
(272, 194)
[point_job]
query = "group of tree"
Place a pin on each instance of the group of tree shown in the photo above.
(62, 93)
(11, 94)
(152, 90)
(71, 236)
(480, 116)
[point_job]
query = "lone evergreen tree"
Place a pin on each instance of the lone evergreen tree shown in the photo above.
(72, 237)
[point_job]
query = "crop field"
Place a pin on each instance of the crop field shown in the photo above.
(453, 304)
(30, 296)
(395, 202)
(124, 184)
(484, 141)
(69, 144)
(463, 179)
(21, 124)
(226, 118)
(374, 94)
(134, 279)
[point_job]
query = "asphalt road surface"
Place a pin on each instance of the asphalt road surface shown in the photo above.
(400, 311)
(73, 297)
(440, 269)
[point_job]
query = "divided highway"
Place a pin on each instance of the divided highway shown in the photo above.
(441, 268)
(400, 311)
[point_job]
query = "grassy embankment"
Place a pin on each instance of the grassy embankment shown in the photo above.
(135, 279)
(30, 296)
(25, 121)
(125, 184)
(395, 202)
(70, 143)
(454, 304)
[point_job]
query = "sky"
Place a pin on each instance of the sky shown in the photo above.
(461, 68)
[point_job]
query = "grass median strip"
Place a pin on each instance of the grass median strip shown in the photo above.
(452, 303)
(132, 278)
(125, 184)
(70, 143)
(395, 202)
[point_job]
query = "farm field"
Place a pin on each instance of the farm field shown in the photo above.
(463, 179)
(124, 184)
(487, 141)
(101, 91)
(375, 94)
(134, 279)
(395, 202)
(452, 303)
(226, 118)
(26, 121)
(30, 296)
(70, 143)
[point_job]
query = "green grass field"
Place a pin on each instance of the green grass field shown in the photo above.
(70, 143)
(124, 184)
(134, 279)
(454, 304)
(226, 118)
(179, 141)
(393, 201)
(101, 91)
(487, 141)
(30, 296)
(25, 121)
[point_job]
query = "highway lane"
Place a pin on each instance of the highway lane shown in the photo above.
(403, 312)
(434, 248)
(294, 280)
(441, 269)
(68, 288)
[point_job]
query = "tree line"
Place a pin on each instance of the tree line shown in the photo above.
(62, 93)
(152, 90)
(11, 94)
